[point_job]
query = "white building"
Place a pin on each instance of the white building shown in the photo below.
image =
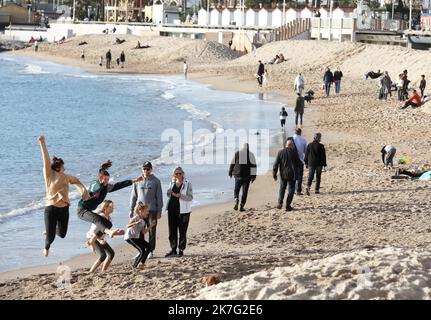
(251, 17)
(292, 14)
(165, 14)
(340, 13)
(306, 13)
(227, 17)
(324, 12)
(239, 17)
(277, 17)
(264, 18)
(202, 17)
(215, 17)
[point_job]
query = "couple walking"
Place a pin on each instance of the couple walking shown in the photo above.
(290, 163)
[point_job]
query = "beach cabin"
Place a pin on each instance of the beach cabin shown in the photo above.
(324, 12)
(165, 14)
(239, 17)
(227, 17)
(277, 18)
(340, 13)
(202, 17)
(264, 18)
(306, 13)
(215, 17)
(292, 14)
(251, 16)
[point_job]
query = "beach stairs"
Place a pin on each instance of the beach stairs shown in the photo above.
(296, 29)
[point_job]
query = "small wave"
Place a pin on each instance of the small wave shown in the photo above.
(33, 69)
(168, 96)
(194, 112)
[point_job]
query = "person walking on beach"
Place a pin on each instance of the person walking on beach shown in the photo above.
(260, 72)
(337, 81)
(287, 162)
(180, 194)
(265, 81)
(98, 191)
(283, 117)
(315, 160)
(388, 154)
(149, 191)
(299, 84)
(108, 59)
(82, 55)
(36, 46)
(301, 147)
(328, 77)
(122, 59)
(101, 61)
(243, 169)
(56, 213)
(422, 85)
(185, 69)
(96, 238)
(135, 232)
(299, 109)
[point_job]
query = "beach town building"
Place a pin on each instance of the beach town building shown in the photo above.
(12, 13)
(125, 10)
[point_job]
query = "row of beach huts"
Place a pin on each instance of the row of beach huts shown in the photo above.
(265, 18)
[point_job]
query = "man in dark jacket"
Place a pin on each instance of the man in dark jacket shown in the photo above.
(287, 162)
(315, 160)
(108, 57)
(328, 77)
(243, 168)
(260, 72)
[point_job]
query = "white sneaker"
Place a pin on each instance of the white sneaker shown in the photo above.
(150, 255)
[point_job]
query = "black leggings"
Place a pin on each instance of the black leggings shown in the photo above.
(56, 221)
(104, 250)
(89, 216)
(143, 247)
(298, 115)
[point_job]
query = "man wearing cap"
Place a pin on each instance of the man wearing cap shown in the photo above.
(149, 191)
(315, 160)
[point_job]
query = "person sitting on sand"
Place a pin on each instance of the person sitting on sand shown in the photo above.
(373, 75)
(273, 60)
(138, 46)
(98, 191)
(61, 41)
(57, 196)
(414, 101)
(135, 229)
(32, 40)
(388, 153)
(281, 58)
(96, 238)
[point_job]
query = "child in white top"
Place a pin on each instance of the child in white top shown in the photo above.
(265, 78)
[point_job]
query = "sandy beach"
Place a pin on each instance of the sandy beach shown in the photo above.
(361, 220)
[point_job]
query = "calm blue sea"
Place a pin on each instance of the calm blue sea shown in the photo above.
(88, 119)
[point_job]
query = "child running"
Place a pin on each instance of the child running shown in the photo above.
(96, 238)
(283, 117)
(98, 191)
(57, 196)
(135, 231)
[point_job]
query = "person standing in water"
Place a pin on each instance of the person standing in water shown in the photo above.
(57, 196)
(98, 191)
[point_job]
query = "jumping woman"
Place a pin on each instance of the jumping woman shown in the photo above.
(57, 196)
(98, 191)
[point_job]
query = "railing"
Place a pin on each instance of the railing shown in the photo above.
(286, 32)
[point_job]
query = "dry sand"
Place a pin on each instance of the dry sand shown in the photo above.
(362, 217)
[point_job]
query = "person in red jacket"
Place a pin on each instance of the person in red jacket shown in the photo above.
(414, 101)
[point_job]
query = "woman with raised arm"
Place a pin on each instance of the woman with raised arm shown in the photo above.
(98, 191)
(57, 196)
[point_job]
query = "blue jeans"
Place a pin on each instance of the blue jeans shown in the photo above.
(311, 172)
(337, 86)
(290, 184)
(327, 88)
(299, 176)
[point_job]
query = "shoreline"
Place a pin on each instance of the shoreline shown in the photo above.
(215, 82)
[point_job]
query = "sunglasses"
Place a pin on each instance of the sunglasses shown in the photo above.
(146, 169)
(178, 173)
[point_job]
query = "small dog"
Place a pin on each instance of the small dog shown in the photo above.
(210, 280)
(309, 96)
